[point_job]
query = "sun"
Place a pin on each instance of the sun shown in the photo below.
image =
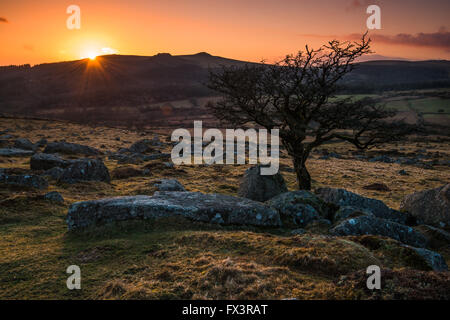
(92, 52)
(91, 55)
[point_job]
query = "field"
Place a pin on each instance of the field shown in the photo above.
(432, 105)
(179, 259)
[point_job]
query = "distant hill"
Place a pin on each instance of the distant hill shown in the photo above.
(375, 76)
(116, 85)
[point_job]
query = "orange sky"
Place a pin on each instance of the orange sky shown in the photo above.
(35, 31)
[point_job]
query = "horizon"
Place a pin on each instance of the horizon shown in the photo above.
(368, 58)
(37, 33)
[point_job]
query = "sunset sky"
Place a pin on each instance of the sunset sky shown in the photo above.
(35, 31)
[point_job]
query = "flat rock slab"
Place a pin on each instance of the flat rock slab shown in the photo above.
(212, 208)
(44, 161)
(70, 148)
(26, 180)
(371, 225)
(14, 152)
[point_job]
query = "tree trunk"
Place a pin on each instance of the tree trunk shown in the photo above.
(303, 177)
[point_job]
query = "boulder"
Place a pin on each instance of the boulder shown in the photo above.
(259, 187)
(156, 156)
(346, 212)
(341, 197)
(126, 172)
(433, 259)
(85, 170)
(134, 158)
(436, 238)
(44, 161)
(169, 185)
(70, 148)
(142, 146)
(14, 152)
(54, 196)
(212, 208)
(54, 173)
(24, 180)
(430, 206)
(25, 144)
(298, 208)
(375, 226)
(377, 187)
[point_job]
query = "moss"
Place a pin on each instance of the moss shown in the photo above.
(392, 253)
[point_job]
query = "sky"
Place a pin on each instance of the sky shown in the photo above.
(253, 30)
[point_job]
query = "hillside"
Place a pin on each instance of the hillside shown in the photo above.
(144, 89)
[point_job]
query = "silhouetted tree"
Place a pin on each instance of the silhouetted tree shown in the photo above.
(297, 96)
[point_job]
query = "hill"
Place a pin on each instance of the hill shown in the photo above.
(130, 89)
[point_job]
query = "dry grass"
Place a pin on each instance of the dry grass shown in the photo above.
(178, 259)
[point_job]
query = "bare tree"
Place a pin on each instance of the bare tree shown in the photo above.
(298, 96)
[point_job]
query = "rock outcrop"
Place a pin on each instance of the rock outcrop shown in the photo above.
(25, 180)
(375, 226)
(433, 259)
(54, 173)
(429, 206)
(44, 161)
(298, 208)
(346, 212)
(70, 148)
(259, 187)
(212, 208)
(85, 170)
(14, 152)
(143, 146)
(126, 172)
(169, 185)
(25, 144)
(54, 196)
(341, 197)
(436, 238)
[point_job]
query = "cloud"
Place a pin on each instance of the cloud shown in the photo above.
(109, 51)
(439, 39)
(4, 20)
(358, 4)
(28, 47)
